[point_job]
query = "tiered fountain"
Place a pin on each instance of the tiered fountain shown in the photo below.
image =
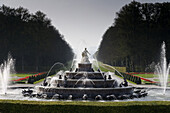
(85, 83)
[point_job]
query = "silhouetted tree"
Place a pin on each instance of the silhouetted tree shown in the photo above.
(31, 39)
(135, 37)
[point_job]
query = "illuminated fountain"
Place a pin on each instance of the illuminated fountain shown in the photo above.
(162, 69)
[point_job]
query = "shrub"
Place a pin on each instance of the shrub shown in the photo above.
(130, 77)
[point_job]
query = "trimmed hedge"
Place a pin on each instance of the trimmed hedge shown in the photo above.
(15, 106)
(34, 78)
(130, 77)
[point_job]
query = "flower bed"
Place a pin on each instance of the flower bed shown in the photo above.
(142, 78)
(38, 77)
(148, 80)
(20, 79)
(142, 73)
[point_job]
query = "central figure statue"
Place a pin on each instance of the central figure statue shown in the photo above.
(85, 58)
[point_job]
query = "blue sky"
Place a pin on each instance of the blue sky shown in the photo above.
(82, 22)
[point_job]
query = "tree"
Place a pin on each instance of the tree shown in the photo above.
(31, 39)
(136, 35)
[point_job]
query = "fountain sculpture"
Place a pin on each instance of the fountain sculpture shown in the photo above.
(85, 84)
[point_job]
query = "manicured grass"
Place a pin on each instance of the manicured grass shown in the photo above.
(148, 83)
(102, 68)
(149, 76)
(39, 81)
(42, 80)
(158, 79)
(106, 68)
(16, 106)
(145, 75)
(127, 80)
(22, 75)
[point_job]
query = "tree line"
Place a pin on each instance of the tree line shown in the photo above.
(31, 39)
(134, 40)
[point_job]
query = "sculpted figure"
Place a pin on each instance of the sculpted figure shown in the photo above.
(85, 58)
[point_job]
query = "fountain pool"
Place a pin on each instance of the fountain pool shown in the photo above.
(153, 95)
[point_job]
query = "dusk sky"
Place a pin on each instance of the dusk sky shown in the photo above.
(82, 22)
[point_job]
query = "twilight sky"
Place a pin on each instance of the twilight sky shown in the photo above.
(82, 22)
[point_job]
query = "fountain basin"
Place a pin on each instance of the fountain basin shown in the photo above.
(90, 92)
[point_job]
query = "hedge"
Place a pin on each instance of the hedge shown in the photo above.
(34, 78)
(130, 77)
(13, 106)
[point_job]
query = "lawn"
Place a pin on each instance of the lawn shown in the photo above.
(22, 75)
(42, 79)
(145, 75)
(25, 80)
(17, 106)
(159, 80)
(106, 68)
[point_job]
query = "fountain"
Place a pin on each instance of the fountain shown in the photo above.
(5, 71)
(162, 69)
(84, 83)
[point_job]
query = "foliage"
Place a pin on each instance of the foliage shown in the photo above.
(35, 78)
(10, 106)
(130, 77)
(31, 39)
(135, 38)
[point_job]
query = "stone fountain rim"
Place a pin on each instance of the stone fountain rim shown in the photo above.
(78, 88)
